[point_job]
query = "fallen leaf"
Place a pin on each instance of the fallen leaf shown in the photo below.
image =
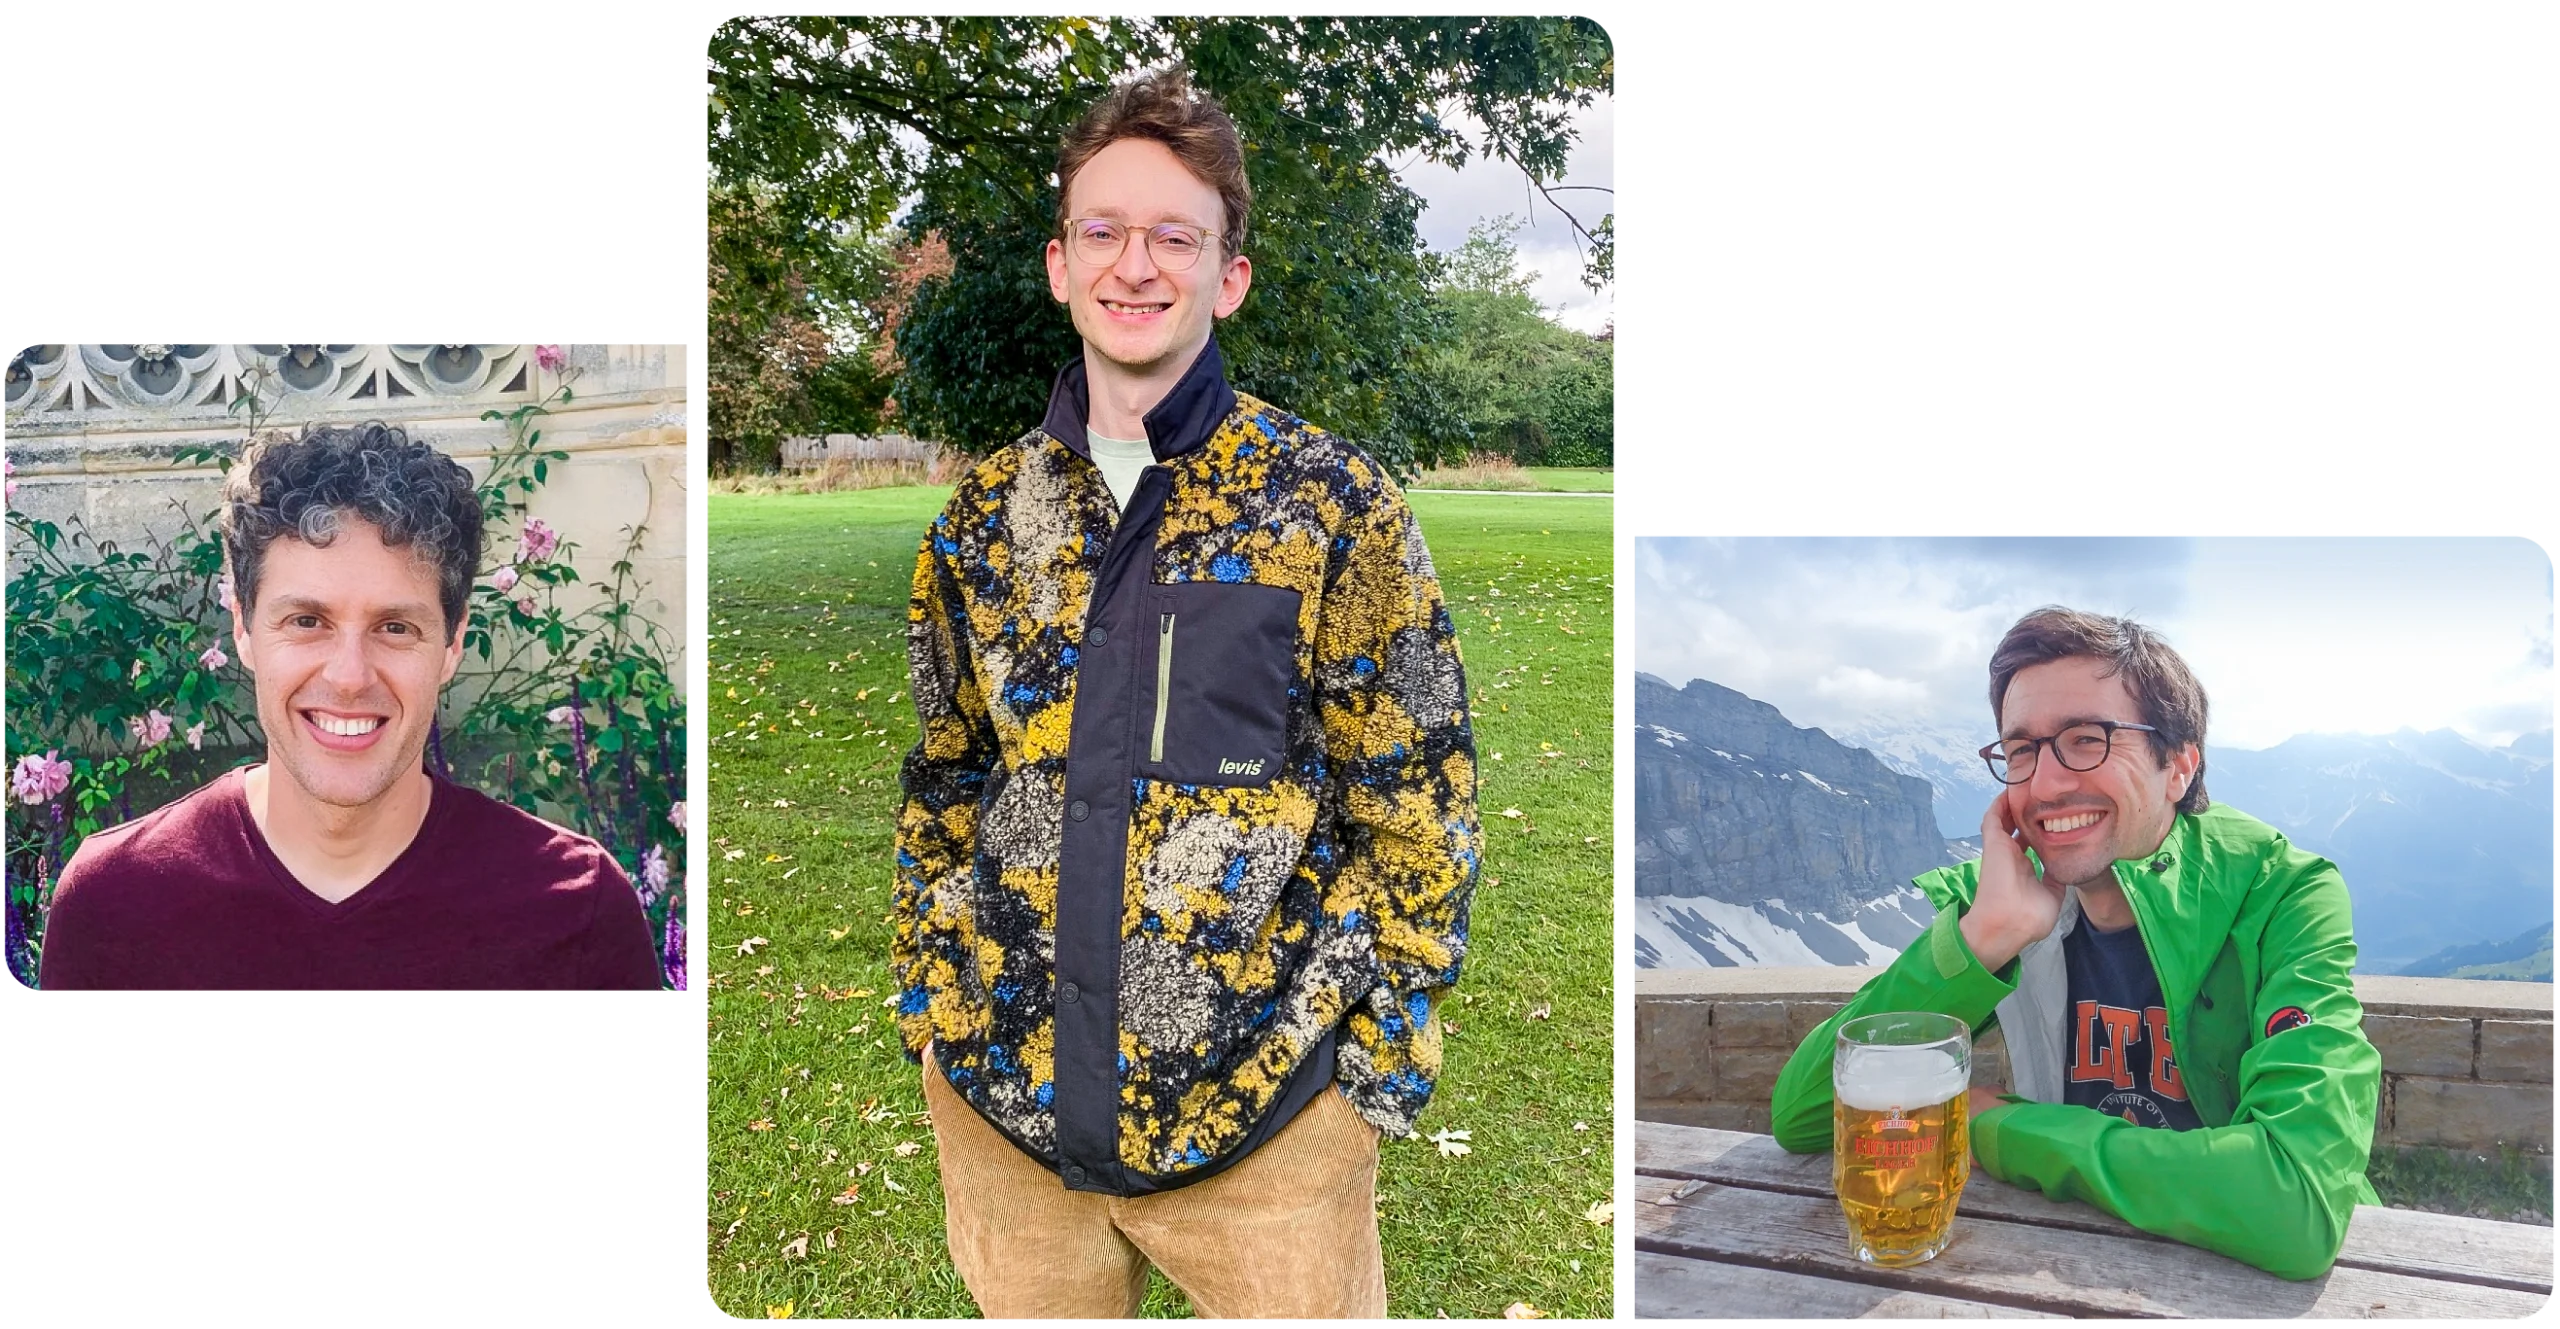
(837, 934)
(759, 1125)
(1601, 1211)
(1521, 1310)
(892, 1183)
(850, 1195)
(748, 947)
(733, 855)
(797, 1248)
(1514, 813)
(1453, 1144)
(906, 1149)
(1541, 1011)
(1582, 1125)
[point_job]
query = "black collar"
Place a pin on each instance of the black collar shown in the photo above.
(1180, 423)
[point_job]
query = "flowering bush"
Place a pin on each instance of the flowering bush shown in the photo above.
(114, 652)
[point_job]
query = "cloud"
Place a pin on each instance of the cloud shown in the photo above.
(1489, 186)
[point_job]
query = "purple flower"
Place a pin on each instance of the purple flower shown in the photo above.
(653, 873)
(675, 816)
(672, 958)
(550, 357)
(213, 658)
(40, 779)
(504, 579)
(539, 540)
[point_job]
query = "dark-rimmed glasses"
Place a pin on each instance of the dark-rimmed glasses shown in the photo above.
(2081, 747)
(1172, 246)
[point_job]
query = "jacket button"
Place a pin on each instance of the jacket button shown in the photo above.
(1097, 637)
(1075, 1176)
(1078, 810)
(1068, 992)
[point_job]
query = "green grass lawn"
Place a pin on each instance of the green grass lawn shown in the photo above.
(823, 1191)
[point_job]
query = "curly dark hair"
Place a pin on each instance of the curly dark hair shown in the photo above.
(2163, 688)
(306, 487)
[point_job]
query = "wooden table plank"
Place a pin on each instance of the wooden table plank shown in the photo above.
(2023, 1265)
(2477, 1250)
(1668, 1286)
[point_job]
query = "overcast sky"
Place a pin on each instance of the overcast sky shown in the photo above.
(2288, 636)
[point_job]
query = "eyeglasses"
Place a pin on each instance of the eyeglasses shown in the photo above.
(2082, 747)
(1173, 246)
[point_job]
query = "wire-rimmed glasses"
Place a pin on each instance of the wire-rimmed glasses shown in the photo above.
(1172, 246)
(2079, 747)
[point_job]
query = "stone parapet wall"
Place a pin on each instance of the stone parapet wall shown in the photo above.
(94, 433)
(2466, 1064)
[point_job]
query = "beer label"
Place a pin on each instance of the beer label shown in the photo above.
(1911, 1149)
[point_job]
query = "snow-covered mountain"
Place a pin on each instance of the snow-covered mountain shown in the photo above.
(1759, 842)
(1948, 756)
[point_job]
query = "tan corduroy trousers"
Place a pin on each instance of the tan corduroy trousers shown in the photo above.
(1292, 1231)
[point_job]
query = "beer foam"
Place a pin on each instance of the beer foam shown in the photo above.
(1881, 1079)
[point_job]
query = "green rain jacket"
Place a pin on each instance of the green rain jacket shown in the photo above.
(2250, 938)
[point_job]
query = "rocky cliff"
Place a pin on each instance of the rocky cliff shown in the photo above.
(1735, 803)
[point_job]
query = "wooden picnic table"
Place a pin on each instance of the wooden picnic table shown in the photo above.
(1728, 1225)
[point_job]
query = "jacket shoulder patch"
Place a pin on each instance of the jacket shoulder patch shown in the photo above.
(2291, 1017)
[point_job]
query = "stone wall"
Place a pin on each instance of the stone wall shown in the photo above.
(2466, 1064)
(93, 432)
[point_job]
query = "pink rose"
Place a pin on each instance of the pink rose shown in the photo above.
(40, 779)
(526, 604)
(504, 579)
(150, 730)
(539, 541)
(550, 357)
(213, 658)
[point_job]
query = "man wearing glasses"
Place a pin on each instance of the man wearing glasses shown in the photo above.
(1190, 833)
(2171, 976)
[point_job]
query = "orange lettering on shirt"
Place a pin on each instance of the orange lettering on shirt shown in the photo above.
(2165, 1080)
(2091, 1057)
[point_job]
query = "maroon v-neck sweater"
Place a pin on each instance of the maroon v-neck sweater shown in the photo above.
(486, 896)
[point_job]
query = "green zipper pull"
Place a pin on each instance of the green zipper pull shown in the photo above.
(1164, 682)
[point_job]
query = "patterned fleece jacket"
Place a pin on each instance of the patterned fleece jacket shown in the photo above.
(1190, 832)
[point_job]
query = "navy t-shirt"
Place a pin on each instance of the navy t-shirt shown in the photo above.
(2118, 1032)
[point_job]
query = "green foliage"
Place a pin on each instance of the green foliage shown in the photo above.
(101, 636)
(840, 121)
(1527, 388)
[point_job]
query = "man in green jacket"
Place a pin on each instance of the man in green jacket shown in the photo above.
(2172, 977)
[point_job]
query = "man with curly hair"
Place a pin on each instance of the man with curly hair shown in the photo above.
(1190, 835)
(341, 861)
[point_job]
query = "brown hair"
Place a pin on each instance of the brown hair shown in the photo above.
(1164, 108)
(2166, 692)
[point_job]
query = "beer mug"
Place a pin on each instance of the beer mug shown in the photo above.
(1898, 1156)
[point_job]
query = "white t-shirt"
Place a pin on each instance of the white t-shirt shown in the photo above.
(1121, 459)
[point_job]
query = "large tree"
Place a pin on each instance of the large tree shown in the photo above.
(950, 127)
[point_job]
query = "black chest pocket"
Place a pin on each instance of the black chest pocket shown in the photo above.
(1216, 687)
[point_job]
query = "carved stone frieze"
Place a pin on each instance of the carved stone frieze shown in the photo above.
(76, 387)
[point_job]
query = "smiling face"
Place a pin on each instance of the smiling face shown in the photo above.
(349, 649)
(2081, 822)
(1135, 317)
